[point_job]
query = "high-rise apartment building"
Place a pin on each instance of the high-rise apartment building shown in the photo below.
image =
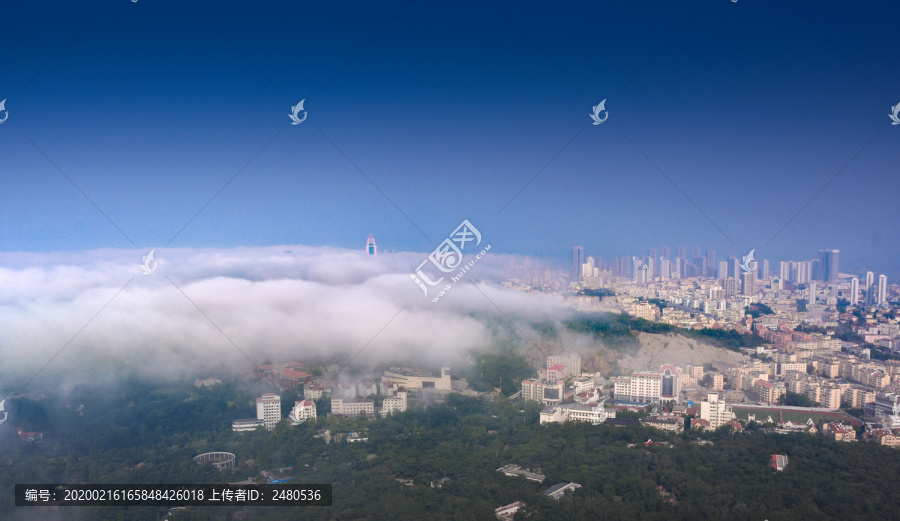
(882, 290)
(764, 269)
(723, 270)
(748, 283)
(828, 265)
(710, 262)
(371, 249)
(667, 252)
(644, 275)
(784, 270)
(715, 411)
(730, 287)
(268, 409)
(680, 251)
(870, 294)
(812, 293)
(854, 291)
(577, 260)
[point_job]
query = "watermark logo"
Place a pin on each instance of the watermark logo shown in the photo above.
(893, 115)
(747, 262)
(6, 115)
(600, 107)
(296, 110)
(147, 260)
(895, 417)
(448, 257)
(596, 418)
(3, 412)
(299, 413)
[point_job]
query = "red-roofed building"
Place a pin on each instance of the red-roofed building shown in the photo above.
(779, 461)
(700, 424)
(29, 436)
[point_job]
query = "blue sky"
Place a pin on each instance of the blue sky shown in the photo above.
(749, 108)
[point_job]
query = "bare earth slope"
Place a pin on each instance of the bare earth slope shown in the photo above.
(675, 349)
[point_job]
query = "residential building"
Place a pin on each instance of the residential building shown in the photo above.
(395, 403)
(839, 431)
(416, 379)
(302, 411)
(246, 424)
(352, 407)
(547, 393)
(571, 364)
(268, 409)
(715, 411)
(674, 424)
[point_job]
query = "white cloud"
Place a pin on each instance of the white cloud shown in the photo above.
(276, 303)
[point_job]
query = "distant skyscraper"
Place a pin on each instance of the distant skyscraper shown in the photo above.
(801, 272)
(577, 260)
(644, 275)
(371, 249)
(730, 287)
(812, 293)
(636, 265)
(667, 252)
(870, 294)
(882, 290)
(589, 267)
(680, 252)
(828, 265)
(710, 262)
(734, 267)
(815, 270)
(764, 269)
(664, 269)
(784, 270)
(695, 252)
(650, 262)
(854, 291)
(723, 270)
(748, 283)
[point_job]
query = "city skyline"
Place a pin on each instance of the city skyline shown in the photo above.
(824, 268)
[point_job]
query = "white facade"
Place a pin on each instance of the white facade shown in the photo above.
(246, 424)
(343, 407)
(396, 403)
(411, 379)
(302, 411)
(268, 409)
(715, 411)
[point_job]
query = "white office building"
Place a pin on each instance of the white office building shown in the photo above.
(268, 409)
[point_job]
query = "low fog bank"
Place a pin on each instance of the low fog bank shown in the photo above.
(218, 311)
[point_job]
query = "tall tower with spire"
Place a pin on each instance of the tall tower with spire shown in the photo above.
(371, 249)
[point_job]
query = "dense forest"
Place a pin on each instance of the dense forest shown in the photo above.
(143, 433)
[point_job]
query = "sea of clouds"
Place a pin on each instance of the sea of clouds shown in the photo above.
(86, 315)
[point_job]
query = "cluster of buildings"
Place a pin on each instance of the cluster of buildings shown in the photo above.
(346, 398)
(701, 292)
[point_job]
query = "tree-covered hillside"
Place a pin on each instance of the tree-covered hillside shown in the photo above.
(149, 435)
